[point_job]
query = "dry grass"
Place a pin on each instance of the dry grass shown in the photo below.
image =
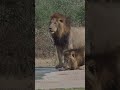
(65, 89)
(45, 62)
(45, 52)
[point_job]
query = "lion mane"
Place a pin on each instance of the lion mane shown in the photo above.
(61, 36)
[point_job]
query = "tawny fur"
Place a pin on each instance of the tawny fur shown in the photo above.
(65, 37)
(74, 58)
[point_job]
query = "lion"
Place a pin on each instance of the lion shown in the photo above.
(74, 58)
(64, 36)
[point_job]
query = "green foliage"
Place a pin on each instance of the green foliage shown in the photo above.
(75, 9)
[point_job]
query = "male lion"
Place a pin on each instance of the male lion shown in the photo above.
(74, 58)
(65, 37)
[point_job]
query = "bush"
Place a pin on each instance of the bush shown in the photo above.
(72, 8)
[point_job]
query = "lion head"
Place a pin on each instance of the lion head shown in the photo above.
(59, 24)
(59, 28)
(73, 58)
(70, 61)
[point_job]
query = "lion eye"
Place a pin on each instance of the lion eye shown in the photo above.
(61, 20)
(73, 55)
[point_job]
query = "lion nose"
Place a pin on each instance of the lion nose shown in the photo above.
(50, 29)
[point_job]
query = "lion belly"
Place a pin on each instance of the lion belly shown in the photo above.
(76, 38)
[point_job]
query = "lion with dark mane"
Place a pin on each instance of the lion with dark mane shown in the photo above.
(65, 37)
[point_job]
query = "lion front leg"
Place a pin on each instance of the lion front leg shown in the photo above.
(60, 57)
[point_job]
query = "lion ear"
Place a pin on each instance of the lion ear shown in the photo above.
(68, 21)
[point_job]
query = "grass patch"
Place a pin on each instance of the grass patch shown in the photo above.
(64, 89)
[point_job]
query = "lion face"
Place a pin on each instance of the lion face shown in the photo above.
(55, 25)
(70, 60)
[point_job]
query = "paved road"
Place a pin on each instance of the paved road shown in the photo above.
(61, 79)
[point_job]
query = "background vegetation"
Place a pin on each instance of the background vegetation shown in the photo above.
(75, 9)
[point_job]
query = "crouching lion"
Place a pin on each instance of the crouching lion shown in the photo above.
(74, 58)
(65, 37)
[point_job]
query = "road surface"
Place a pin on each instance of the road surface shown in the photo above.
(60, 79)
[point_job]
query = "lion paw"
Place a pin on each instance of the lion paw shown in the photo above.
(82, 67)
(59, 66)
(61, 69)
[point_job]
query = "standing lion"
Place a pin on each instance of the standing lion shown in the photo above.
(65, 37)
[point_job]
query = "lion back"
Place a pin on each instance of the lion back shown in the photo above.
(76, 38)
